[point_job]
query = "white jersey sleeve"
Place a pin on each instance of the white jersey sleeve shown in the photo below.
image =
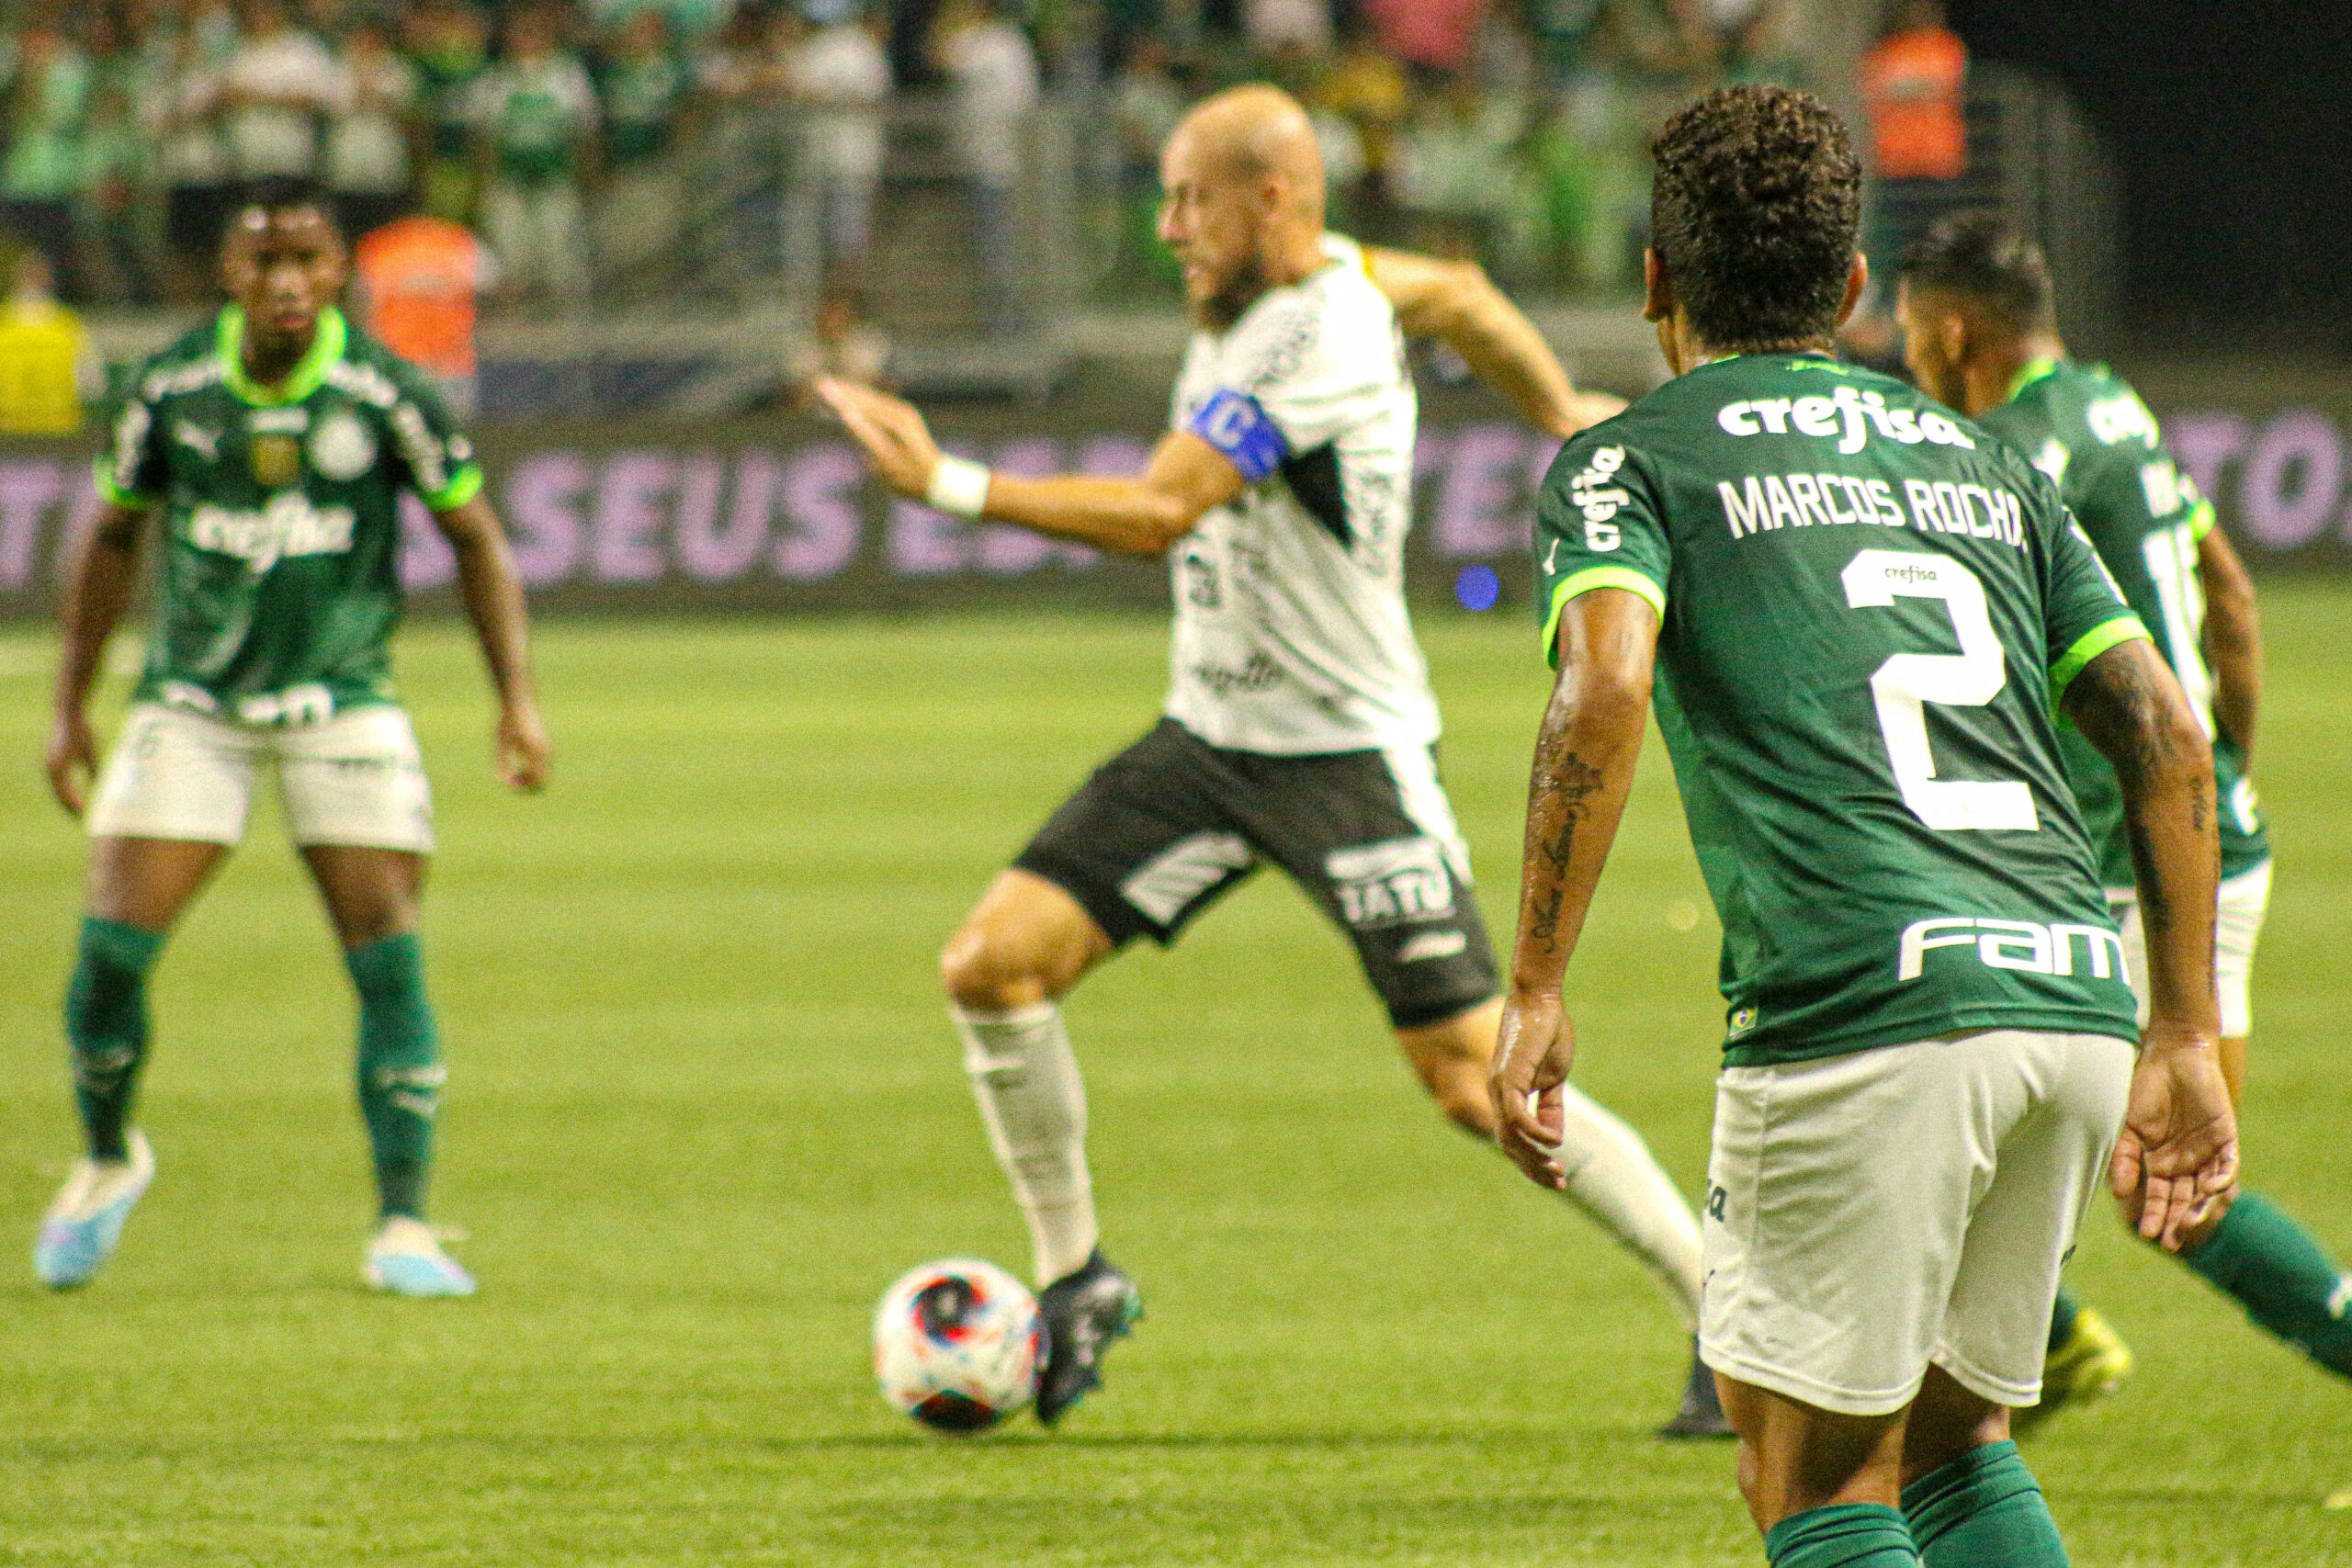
(1292, 635)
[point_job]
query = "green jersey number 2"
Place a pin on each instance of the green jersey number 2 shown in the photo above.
(1907, 683)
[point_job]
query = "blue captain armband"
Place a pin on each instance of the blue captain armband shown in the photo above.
(1237, 427)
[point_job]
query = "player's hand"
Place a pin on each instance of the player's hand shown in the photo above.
(1586, 410)
(524, 751)
(72, 758)
(1533, 1049)
(897, 444)
(2177, 1155)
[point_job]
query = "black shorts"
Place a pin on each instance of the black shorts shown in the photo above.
(1171, 822)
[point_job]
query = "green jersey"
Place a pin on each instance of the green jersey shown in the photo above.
(2099, 444)
(1867, 608)
(279, 584)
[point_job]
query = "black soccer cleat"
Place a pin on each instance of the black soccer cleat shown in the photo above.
(1082, 1313)
(1701, 1415)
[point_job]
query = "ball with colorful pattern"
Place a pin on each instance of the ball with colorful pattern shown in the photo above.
(956, 1345)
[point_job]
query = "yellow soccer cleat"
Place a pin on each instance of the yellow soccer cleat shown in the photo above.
(2091, 1365)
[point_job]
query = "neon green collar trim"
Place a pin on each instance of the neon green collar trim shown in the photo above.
(2035, 369)
(326, 348)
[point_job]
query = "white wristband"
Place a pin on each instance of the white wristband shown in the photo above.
(959, 487)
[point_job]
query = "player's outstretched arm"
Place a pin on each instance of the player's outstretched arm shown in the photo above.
(1137, 516)
(1585, 755)
(1454, 302)
(97, 590)
(2233, 639)
(493, 592)
(2179, 1151)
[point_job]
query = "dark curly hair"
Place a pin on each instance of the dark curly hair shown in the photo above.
(1753, 213)
(1988, 261)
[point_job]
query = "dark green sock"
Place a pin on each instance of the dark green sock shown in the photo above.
(2063, 1314)
(2285, 1279)
(106, 1020)
(399, 1068)
(1843, 1535)
(1983, 1510)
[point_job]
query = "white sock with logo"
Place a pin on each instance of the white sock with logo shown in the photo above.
(1614, 1179)
(1025, 1078)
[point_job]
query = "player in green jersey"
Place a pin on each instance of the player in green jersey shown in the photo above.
(268, 451)
(1982, 333)
(1863, 610)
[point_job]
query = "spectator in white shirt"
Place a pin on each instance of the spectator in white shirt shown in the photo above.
(536, 116)
(839, 78)
(370, 138)
(995, 74)
(279, 85)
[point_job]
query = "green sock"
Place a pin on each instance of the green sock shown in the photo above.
(1983, 1510)
(106, 1020)
(399, 1068)
(2063, 1314)
(1843, 1535)
(2286, 1281)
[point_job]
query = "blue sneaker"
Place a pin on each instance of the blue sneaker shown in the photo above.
(405, 1258)
(80, 1230)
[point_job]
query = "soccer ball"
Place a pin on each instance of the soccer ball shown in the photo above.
(956, 1345)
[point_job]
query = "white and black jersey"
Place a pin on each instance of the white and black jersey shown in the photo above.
(1300, 731)
(1292, 635)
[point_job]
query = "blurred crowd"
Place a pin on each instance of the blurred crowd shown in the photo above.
(593, 145)
(1514, 132)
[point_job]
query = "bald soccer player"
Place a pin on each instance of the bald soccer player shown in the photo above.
(1299, 727)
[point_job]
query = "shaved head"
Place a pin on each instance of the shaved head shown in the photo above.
(1258, 131)
(1242, 209)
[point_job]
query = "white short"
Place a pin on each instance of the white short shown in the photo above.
(1870, 1215)
(2237, 926)
(356, 778)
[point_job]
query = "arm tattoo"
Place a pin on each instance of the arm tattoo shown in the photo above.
(2125, 705)
(1571, 781)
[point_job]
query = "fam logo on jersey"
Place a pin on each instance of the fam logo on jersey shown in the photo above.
(289, 525)
(1392, 882)
(1849, 413)
(2027, 946)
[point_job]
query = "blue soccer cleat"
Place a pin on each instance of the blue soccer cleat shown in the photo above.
(405, 1259)
(83, 1226)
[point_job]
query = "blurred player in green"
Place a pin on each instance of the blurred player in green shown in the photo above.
(1855, 613)
(269, 450)
(1981, 333)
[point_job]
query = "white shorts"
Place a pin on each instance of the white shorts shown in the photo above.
(2237, 926)
(1870, 1215)
(356, 778)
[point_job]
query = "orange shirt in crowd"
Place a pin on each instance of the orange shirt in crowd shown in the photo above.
(420, 278)
(1913, 84)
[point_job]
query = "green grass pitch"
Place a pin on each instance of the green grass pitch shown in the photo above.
(704, 1107)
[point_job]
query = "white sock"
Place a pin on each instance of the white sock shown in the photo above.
(1025, 1078)
(1613, 1179)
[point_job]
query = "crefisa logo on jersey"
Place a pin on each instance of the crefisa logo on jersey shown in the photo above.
(1849, 413)
(1392, 882)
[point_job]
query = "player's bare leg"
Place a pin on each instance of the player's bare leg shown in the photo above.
(372, 896)
(1823, 1488)
(1967, 1494)
(1611, 1175)
(138, 889)
(1005, 971)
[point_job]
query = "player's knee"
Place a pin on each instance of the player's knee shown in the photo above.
(986, 969)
